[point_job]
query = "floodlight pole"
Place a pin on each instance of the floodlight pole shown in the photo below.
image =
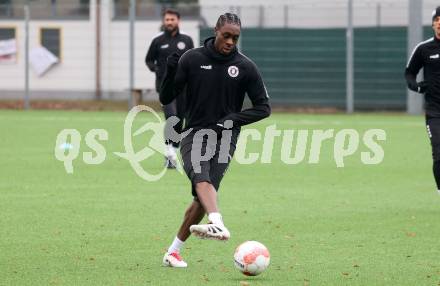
(132, 15)
(414, 102)
(26, 58)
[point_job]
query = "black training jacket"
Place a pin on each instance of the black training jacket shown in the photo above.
(216, 86)
(426, 55)
(164, 45)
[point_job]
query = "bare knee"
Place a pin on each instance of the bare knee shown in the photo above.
(202, 185)
(195, 207)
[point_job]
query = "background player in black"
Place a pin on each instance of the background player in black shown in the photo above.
(216, 77)
(170, 41)
(426, 55)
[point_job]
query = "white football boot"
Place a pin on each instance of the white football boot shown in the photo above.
(210, 231)
(173, 260)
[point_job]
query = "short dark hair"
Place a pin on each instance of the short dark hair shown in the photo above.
(172, 12)
(229, 18)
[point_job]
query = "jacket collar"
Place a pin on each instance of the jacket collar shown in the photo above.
(208, 44)
(168, 34)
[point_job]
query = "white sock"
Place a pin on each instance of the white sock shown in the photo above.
(171, 151)
(216, 218)
(176, 245)
(175, 150)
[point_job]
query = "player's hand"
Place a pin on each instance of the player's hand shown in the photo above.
(423, 86)
(172, 61)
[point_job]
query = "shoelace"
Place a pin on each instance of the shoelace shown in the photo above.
(176, 255)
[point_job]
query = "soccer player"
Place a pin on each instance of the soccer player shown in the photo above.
(216, 77)
(426, 55)
(170, 41)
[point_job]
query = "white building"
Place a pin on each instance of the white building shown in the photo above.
(75, 40)
(75, 75)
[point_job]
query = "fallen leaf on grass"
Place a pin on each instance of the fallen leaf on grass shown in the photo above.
(223, 269)
(411, 234)
(205, 278)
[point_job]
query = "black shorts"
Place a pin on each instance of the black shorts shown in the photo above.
(433, 128)
(209, 170)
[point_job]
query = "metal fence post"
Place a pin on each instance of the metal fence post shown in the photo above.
(349, 69)
(414, 102)
(98, 93)
(261, 16)
(131, 51)
(378, 14)
(26, 58)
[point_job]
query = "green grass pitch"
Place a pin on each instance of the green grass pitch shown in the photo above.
(103, 225)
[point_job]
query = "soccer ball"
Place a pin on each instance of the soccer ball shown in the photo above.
(251, 258)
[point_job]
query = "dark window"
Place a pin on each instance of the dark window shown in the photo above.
(46, 9)
(7, 33)
(152, 9)
(51, 40)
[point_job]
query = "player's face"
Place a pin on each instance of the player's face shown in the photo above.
(436, 26)
(170, 22)
(226, 38)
